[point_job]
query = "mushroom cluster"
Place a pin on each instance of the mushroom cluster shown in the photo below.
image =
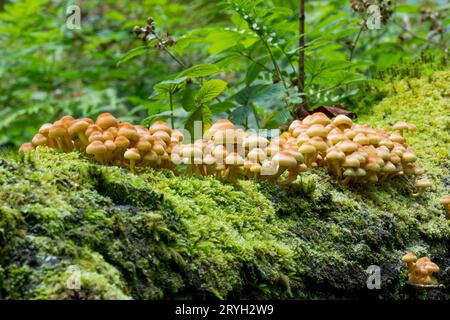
(229, 152)
(110, 141)
(420, 271)
(354, 153)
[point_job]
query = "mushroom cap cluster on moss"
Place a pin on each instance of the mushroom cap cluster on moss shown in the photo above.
(110, 141)
(420, 270)
(354, 153)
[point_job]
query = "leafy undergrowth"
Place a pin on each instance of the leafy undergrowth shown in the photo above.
(157, 235)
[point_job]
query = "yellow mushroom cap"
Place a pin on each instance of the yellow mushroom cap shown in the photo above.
(318, 143)
(423, 183)
(257, 154)
(160, 126)
(96, 136)
(45, 128)
(110, 145)
(296, 154)
(317, 130)
(106, 120)
(143, 145)
(350, 172)
(122, 142)
(93, 128)
(284, 160)
(319, 118)
(39, 140)
(162, 135)
(389, 167)
(432, 267)
(408, 157)
(132, 154)
(151, 156)
(129, 132)
(307, 148)
(397, 137)
(191, 151)
(209, 160)
(77, 127)
(347, 146)
(409, 257)
(351, 162)
(444, 200)
(342, 120)
(400, 125)
(335, 155)
(96, 148)
(57, 131)
(361, 138)
(26, 147)
(255, 141)
(234, 159)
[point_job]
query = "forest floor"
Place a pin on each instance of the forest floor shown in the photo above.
(158, 235)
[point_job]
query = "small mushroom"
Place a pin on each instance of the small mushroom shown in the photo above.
(97, 149)
(132, 155)
(26, 147)
(421, 186)
(445, 201)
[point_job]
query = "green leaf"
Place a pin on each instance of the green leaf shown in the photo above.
(210, 90)
(406, 9)
(132, 54)
(221, 107)
(201, 70)
(202, 114)
(169, 85)
(188, 100)
(276, 118)
(254, 70)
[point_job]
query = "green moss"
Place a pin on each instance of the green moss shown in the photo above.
(157, 235)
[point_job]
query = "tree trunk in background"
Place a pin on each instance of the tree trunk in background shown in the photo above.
(301, 110)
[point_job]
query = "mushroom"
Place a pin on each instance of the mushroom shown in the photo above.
(132, 155)
(26, 147)
(39, 140)
(445, 201)
(97, 149)
(78, 129)
(232, 162)
(342, 122)
(333, 158)
(421, 186)
(106, 120)
(60, 134)
(284, 161)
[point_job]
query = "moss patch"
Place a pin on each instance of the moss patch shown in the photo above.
(156, 235)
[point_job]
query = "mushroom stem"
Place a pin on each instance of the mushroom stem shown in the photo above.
(99, 158)
(132, 165)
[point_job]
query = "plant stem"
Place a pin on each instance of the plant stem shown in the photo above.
(301, 44)
(301, 110)
(255, 113)
(171, 109)
(361, 29)
(275, 64)
(170, 53)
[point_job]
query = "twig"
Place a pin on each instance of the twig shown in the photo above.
(355, 42)
(170, 53)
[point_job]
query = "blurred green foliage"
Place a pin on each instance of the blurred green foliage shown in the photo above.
(47, 69)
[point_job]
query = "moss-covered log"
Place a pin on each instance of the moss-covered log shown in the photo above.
(157, 235)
